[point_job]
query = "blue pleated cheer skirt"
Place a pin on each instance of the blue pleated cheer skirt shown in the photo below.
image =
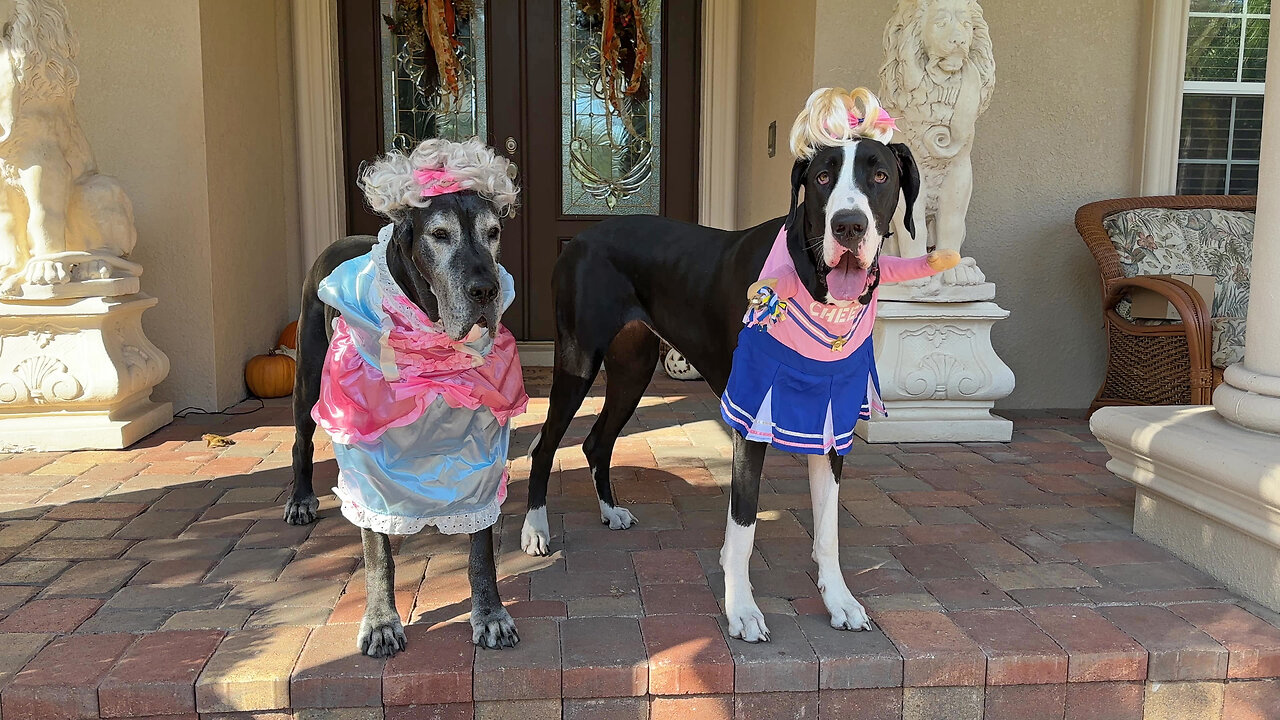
(777, 396)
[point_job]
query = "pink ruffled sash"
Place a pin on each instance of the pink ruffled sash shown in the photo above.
(357, 403)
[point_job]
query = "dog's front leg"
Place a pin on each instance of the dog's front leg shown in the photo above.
(824, 490)
(381, 634)
(491, 624)
(745, 619)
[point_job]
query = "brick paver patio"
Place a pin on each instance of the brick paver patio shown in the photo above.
(1002, 578)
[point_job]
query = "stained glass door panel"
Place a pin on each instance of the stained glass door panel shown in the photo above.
(611, 136)
(416, 105)
(589, 153)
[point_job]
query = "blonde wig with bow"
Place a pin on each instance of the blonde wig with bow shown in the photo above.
(834, 117)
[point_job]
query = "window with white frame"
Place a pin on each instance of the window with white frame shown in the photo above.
(1222, 97)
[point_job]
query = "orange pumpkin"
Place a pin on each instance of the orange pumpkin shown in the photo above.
(270, 375)
(289, 338)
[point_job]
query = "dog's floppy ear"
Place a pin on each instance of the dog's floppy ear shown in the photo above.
(909, 182)
(798, 171)
(402, 233)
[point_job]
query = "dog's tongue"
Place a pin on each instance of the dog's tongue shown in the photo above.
(846, 281)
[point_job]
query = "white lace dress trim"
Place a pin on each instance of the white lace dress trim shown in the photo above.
(463, 524)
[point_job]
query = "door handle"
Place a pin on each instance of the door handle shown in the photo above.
(512, 170)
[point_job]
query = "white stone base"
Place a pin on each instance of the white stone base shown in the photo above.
(83, 431)
(1208, 490)
(939, 375)
(930, 423)
(938, 292)
(78, 374)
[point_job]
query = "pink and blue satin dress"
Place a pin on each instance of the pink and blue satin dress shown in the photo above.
(420, 423)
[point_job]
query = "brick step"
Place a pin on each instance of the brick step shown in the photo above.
(1195, 660)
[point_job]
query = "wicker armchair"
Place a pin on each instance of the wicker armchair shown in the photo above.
(1164, 364)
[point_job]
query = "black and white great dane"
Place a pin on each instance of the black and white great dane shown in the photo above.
(625, 283)
(444, 257)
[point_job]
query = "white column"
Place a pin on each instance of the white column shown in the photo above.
(321, 189)
(1164, 96)
(718, 166)
(1250, 393)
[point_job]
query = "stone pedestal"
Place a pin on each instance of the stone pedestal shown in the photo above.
(939, 375)
(77, 374)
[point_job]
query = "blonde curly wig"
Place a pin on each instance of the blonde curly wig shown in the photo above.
(826, 121)
(390, 187)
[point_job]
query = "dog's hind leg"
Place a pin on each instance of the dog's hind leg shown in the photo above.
(745, 619)
(381, 633)
(491, 624)
(629, 367)
(313, 343)
(824, 491)
(574, 372)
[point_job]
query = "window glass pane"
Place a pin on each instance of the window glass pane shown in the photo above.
(1259, 6)
(1206, 127)
(1247, 139)
(610, 161)
(1201, 179)
(1255, 50)
(1213, 49)
(1244, 180)
(1230, 6)
(416, 106)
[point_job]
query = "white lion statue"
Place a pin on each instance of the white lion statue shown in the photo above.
(60, 221)
(937, 78)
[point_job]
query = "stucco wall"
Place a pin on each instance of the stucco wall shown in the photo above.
(141, 102)
(1060, 133)
(187, 102)
(243, 107)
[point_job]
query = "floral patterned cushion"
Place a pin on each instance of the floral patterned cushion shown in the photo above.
(1228, 341)
(1203, 241)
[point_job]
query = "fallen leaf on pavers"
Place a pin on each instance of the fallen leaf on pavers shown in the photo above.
(217, 441)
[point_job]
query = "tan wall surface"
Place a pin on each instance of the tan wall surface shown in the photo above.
(776, 75)
(243, 106)
(188, 103)
(141, 102)
(1059, 133)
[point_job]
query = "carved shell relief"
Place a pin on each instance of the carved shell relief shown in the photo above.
(39, 380)
(946, 366)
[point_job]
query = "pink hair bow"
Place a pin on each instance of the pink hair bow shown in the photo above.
(436, 181)
(884, 122)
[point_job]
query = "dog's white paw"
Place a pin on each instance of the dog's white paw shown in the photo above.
(535, 536)
(746, 622)
(616, 517)
(846, 612)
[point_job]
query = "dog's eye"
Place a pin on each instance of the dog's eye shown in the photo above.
(882, 176)
(824, 177)
(440, 234)
(493, 233)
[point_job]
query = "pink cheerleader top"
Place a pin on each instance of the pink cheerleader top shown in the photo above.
(804, 372)
(420, 422)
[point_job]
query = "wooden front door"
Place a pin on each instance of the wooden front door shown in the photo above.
(537, 98)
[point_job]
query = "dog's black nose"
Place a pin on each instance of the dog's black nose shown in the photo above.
(483, 291)
(849, 224)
